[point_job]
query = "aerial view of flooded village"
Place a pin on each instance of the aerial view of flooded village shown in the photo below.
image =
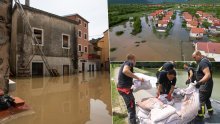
(54, 62)
(163, 31)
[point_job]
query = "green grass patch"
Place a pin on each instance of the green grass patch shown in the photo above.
(143, 41)
(119, 33)
(137, 27)
(118, 119)
(113, 49)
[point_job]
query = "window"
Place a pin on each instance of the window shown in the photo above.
(85, 25)
(65, 41)
(39, 34)
(85, 36)
(86, 49)
(80, 48)
(80, 33)
(80, 21)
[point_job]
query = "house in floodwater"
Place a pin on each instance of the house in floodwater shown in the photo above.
(209, 49)
(162, 23)
(197, 32)
(192, 24)
(56, 38)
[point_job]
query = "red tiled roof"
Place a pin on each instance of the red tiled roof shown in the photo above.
(217, 23)
(197, 30)
(209, 47)
(162, 22)
(188, 16)
(206, 15)
(170, 13)
(153, 14)
(193, 23)
(166, 18)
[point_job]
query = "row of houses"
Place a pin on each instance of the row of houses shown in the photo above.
(64, 41)
(161, 23)
(195, 24)
(208, 49)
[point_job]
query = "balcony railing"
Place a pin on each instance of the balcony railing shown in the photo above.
(93, 56)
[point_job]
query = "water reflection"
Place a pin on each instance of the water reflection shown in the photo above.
(68, 100)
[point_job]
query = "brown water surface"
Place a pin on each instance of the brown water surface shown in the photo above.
(75, 99)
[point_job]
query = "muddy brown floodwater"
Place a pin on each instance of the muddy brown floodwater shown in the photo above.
(77, 99)
(156, 46)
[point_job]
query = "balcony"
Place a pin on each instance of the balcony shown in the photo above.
(93, 56)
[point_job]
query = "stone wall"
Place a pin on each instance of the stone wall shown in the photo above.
(5, 31)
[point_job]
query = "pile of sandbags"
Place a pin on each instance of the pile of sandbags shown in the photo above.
(153, 111)
(157, 111)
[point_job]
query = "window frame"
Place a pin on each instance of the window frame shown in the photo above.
(68, 41)
(42, 36)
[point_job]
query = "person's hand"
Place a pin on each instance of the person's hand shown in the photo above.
(158, 94)
(141, 79)
(188, 82)
(169, 97)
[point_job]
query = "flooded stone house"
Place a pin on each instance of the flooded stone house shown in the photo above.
(5, 31)
(86, 61)
(56, 36)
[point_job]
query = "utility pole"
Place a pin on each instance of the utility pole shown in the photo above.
(5, 38)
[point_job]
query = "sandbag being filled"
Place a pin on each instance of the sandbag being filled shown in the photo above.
(149, 82)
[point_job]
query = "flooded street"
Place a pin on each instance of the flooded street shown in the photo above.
(176, 46)
(77, 99)
(182, 76)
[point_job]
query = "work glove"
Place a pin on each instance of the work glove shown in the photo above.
(197, 84)
(188, 81)
(169, 97)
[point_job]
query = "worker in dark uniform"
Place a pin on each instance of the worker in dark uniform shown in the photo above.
(191, 73)
(167, 82)
(166, 67)
(125, 81)
(204, 83)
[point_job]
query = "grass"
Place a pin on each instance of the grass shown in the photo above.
(119, 13)
(137, 27)
(117, 118)
(215, 39)
(113, 49)
(119, 33)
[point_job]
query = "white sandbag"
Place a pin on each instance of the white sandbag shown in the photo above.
(12, 86)
(158, 114)
(164, 100)
(149, 82)
(190, 107)
(150, 104)
(138, 85)
(143, 113)
(173, 119)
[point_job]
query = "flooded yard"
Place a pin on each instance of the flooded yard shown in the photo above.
(77, 99)
(150, 45)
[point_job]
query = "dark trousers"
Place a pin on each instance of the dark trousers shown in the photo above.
(130, 104)
(204, 98)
